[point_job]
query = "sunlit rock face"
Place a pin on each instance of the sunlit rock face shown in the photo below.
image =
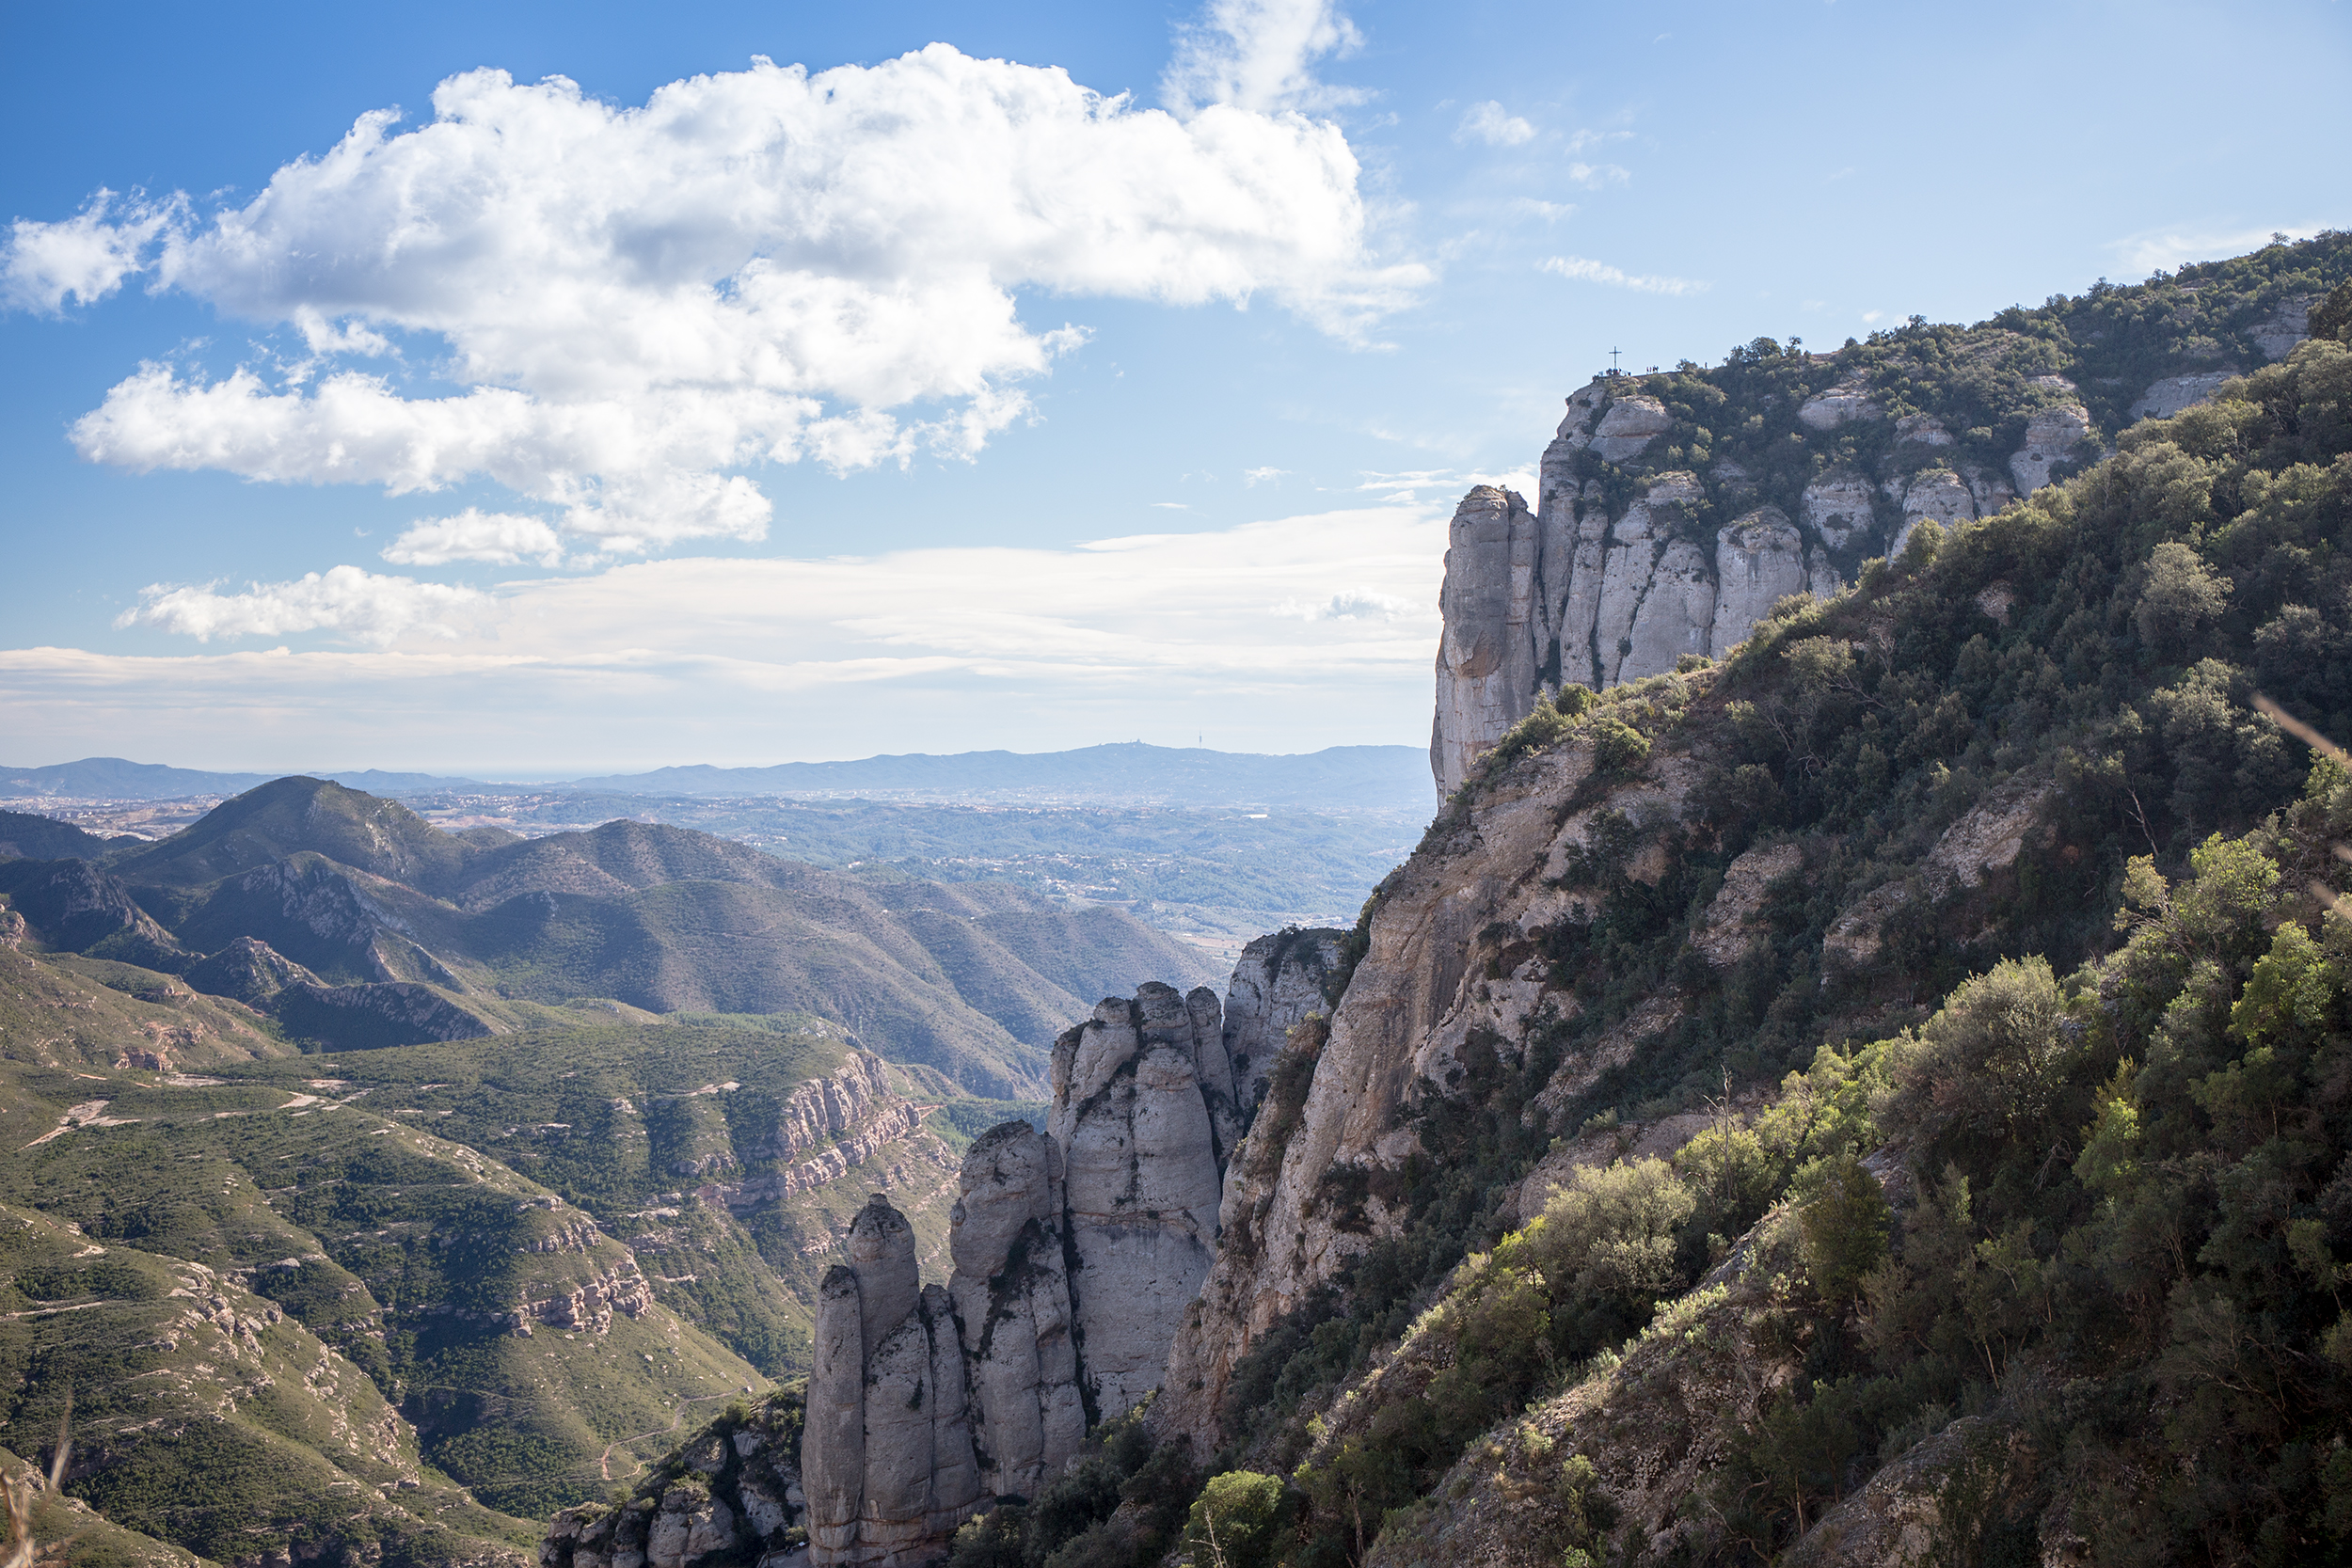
(1628, 563)
(1137, 1126)
(886, 1460)
(1277, 983)
(1075, 1253)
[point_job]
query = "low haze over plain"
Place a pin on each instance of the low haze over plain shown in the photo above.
(532, 390)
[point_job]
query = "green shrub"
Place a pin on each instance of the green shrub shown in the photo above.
(1236, 1519)
(1611, 1233)
(1618, 748)
(2332, 316)
(1845, 1228)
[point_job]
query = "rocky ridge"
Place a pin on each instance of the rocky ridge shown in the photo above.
(1641, 552)
(1076, 1252)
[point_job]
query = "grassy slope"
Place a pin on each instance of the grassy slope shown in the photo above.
(604, 1117)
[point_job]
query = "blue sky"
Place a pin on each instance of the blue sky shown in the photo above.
(935, 404)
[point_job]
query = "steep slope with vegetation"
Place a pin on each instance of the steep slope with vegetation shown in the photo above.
(434, 1287)
(1648, 906)
(427, 1279)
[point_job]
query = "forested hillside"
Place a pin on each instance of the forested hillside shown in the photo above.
(2074, 1221)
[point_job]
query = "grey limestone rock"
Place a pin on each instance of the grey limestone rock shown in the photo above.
(1932, 495)
(882, 1251)
(1143, 1181)
(2171, 394)
(2052, 436)
(1570, 594)
(1278, 981)
(1011, 1296)
(1838, 505)
(1631, 425)
(886, 1460)
(1759, 560)
(1924, 430)
(1992, 491)
(1839, 405)
(2287, 326)
(1071, 1273)
(1487, 675)
(833, 1451)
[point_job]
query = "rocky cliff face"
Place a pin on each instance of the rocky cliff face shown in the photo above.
(1076, 1253)
(1652, 539)
(1281, 978)
(1452, 952)
(733, 1492)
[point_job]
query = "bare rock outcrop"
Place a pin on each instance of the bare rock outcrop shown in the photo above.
(1278, 981)
(1759, 560)
(1136, 1110)
(2169, 395)
(888, 1457)
(849, 1119)
(1932, 495)
(1011, 1296)
(1838, 505)
(1075, 1253)
(1729, 929)
(2285, 327)
(2052, 435)
(1618, 575)
(1487, 675)
(1841, 403)
(1629, 427)
(738, 1480)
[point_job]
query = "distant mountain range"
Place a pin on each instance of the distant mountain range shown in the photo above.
(1381, 778)
(355, 923)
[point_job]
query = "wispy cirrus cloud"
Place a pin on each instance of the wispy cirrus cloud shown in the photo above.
(740, 660)
(1260, 55)
(1582, 269)
(1491, 123)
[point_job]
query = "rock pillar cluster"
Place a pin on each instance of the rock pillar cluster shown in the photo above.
(1075, 1253)
(1605, 580)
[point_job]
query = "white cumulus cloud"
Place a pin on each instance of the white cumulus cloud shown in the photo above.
(637, 306)
(362, 606)
(1491, 123)
(86, 256)
(1584, 270)
(501, 538)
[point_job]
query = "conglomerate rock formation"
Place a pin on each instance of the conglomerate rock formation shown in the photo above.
(1640, 552)
(1281, 978)
(1076, 1253)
